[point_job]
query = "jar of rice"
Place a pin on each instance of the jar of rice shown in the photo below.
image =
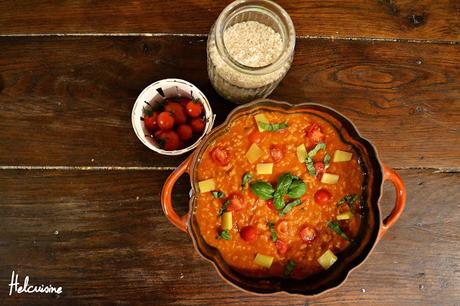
(250, 49)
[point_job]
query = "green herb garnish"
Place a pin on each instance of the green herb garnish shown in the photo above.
(297, 189)
(310, 166)
(262, 189)
(273, 126)
(290, 266)
(316, 149)
(247, 177)
(218, 194)
(289, 206)
(224, 235)
(326, 160)
(271, 225)
(336, 228)
(223, 208)
(309, 160)
(350, 199)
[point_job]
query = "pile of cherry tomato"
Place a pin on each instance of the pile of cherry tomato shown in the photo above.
(175, 123)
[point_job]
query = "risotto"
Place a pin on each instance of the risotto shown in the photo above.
(279, 195)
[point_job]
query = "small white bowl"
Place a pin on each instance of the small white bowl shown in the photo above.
(157, 92)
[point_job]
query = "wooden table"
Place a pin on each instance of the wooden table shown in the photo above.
(79, 193)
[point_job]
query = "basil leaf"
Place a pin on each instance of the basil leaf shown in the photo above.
(290, 266)
(319, 146)
(310, 166)
(223, 208)
(262, 189)
(218, 194)
(326, 160)
(247, 177)
(278, 201)
(224, 235)
(271, 226)
(284, 181)
(336, 228)
(290, 206)
(272, 127)
(297, 189)
(350, 199)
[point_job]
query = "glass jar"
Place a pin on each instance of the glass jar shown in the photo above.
(235, 81)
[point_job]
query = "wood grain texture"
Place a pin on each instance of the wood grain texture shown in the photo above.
(66, 101)
(102, 236)
(401, 19)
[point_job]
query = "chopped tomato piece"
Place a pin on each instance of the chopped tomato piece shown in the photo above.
(322, 196)
(276, 152)
(237, 202)
(314, 134)
(255, 136)
(249, 233)
(220, 156)
(270, 204)
(308, 233)
(281, 246)
(319, 169)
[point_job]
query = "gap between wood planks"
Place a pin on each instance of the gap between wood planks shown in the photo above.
(322, 37)
(168, 168)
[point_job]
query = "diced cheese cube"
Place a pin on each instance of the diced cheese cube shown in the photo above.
(341, 156)
(345, 216)
(261, 118)
(227, 220)
(263, 260)
(329, 178)
(327, 259)
(254, 153)
(264, 168)
(302, 153)
(207, 185)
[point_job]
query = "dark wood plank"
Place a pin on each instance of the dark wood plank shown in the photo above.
(67, 101)
(406, 19)
(103, 236)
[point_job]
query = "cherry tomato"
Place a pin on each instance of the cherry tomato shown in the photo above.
(255, 136)
(249, 233)
(177, 111)
(165, 120)
(319, 169)
(308, 233)
(322, 196)
(151, 123)
(314, 133)
(220, 156)
(194, 108)
(237, 202)
(270, 204)
(276, 152)
(185, 132)
(197, 125)
(168, 140)
(281, 246)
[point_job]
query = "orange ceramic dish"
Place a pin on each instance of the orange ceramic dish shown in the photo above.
(284, 198)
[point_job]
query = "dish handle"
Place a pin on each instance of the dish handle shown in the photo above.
(391, 175)
(166, 195)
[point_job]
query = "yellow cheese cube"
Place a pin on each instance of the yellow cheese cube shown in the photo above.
(302, 153)
(327, 259)
(261, 118)
(227, 220)
(264, 168)
(341, 156)
(254, 153)
(329, 178)
(263, 260)
(207, 185)
(345, 216)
